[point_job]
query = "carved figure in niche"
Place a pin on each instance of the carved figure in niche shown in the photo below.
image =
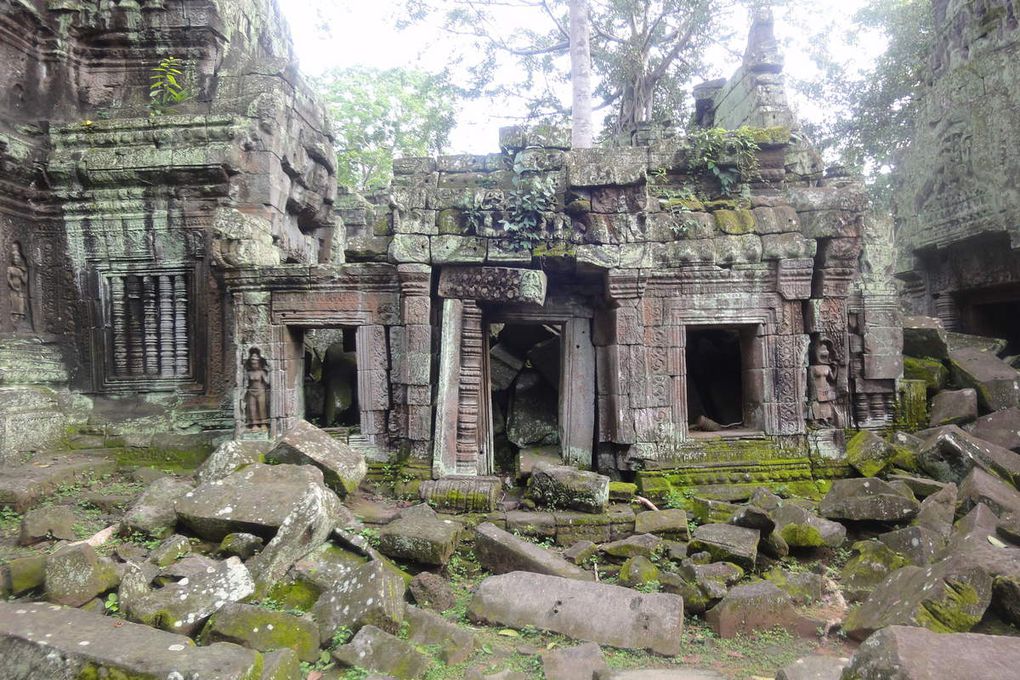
(256, 396)
(822, 385)
(17, 279)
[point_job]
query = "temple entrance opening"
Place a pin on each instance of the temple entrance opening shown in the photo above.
(525, 377)
(331, 378)
(992, 312)
(721, 379)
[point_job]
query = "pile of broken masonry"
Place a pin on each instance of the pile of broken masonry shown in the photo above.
(906, 560)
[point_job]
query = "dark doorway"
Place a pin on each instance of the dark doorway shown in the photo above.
(715, 394)
(331, 378)
(993, 312)
(524, 370)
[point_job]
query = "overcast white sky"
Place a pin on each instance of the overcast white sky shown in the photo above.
(340, 33)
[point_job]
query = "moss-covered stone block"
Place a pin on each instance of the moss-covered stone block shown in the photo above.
(932, 372)
(263, 630)
(868, 453)
(735, 222)
(623, 492)
(638, 571)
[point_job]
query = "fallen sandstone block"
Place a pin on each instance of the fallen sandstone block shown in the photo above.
(342, 467)
(909, 653)
(501, 552)
(561, 486)
(593, 612)
(49, 641)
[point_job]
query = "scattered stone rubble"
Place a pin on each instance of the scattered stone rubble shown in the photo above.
(255, 561)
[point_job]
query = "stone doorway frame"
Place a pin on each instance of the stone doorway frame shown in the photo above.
(753, 378)
(575, 420)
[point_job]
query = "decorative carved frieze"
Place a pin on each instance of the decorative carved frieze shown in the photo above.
(493, 284)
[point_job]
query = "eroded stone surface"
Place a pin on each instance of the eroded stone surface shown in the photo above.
(595, 612)
(91, 644)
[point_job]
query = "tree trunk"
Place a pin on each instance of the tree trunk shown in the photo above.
(583, 133)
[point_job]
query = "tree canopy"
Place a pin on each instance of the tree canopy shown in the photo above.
(379, 115)
(869, 114)
(644, 53)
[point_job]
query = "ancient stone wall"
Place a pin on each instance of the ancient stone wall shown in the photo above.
(958, 206)
(172, 266)
(629, 253)
(126, 217)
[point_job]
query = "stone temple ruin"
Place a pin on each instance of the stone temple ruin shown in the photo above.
(196, 273)
(546, 345)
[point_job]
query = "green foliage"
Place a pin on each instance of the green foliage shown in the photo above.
(532, 197)
(9, 518)
(167, 87)
(324, 663)
(371, 535)
(273, 605)
(471, 205)
(729, 156)
(143, 540)
(342, 636)
(379, 115)
(111, 604)
(869, 113)
(679, 500)
(649, 587)
(645, 54)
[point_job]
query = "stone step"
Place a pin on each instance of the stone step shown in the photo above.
(48, 641)
(24, 485)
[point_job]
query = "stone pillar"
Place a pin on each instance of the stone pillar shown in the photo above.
(411, 348)
(373, 381)
(444, 459)
(474, 430)
(577, 393)
(619, 335)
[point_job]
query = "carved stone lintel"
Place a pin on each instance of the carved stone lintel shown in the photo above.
(493, 284)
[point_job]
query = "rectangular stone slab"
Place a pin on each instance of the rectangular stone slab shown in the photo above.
(49, 641)
(593, 612)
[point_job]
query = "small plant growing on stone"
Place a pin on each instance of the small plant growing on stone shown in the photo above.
(112, 604)
(649, 587)
(470, 205)
(527, 204)
(342, 636)
(167, 88)
(141, 539)
(371, 536)
(9, 518)
(712, 147)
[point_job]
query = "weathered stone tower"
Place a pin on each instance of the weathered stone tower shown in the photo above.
(118, 224)
(958, 205)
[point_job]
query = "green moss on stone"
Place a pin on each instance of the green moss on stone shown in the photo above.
(638, 571)
(956, 612)
(735, 222)
(802, 536)
(931, 371)
(297, 594)
(769, 136)
(622, 491)
(557, 249)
